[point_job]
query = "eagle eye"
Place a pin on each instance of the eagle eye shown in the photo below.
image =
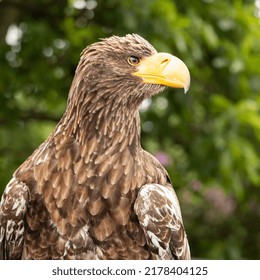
(133, 60)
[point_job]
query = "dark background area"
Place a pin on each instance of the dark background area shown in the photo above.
(208, 139)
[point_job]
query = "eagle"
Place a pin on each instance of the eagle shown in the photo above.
(90, 191)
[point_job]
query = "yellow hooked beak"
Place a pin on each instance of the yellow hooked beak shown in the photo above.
(164, 69)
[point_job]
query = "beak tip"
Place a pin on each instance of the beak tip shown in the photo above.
(186, 88)
(187, 84)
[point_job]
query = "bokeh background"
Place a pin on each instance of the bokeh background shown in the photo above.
(208, 139)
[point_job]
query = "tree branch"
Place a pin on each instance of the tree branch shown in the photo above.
(31, 115)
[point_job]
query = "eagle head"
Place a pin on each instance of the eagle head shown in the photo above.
(127, 70)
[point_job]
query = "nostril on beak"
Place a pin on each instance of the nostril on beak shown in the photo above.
(164, 62)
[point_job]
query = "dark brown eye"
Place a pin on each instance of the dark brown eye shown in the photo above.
(133, 60)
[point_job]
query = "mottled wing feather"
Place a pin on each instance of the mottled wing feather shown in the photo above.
(12, 211)
(158, 211)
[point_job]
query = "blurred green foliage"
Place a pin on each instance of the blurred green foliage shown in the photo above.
(211, 136)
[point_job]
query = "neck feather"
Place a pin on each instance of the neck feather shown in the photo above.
(108, 125)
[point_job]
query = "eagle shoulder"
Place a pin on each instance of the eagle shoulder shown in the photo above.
(12, 211)
(159, 215)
